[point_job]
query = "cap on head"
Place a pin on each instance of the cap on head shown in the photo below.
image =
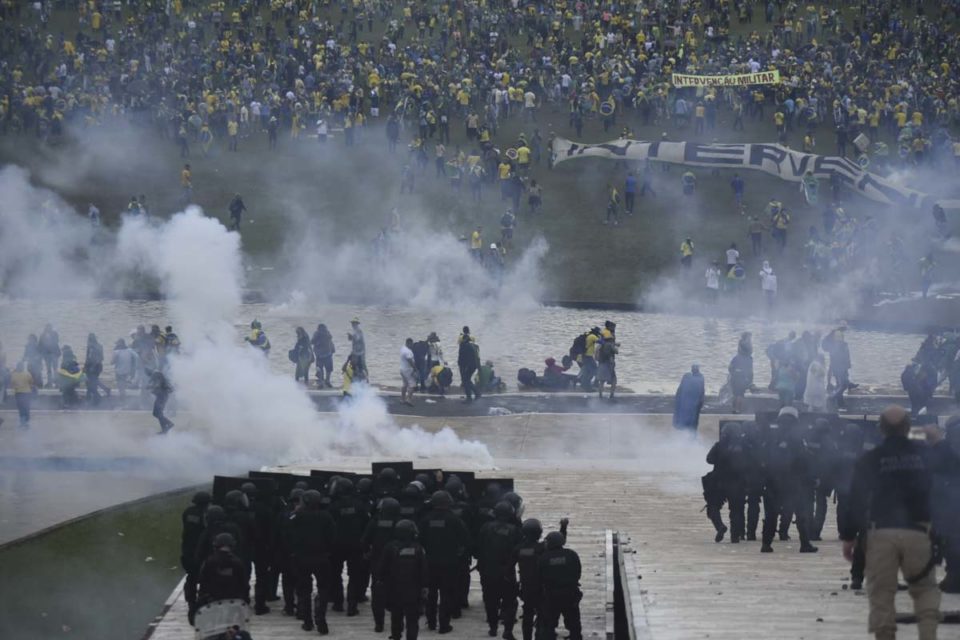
(894, 421)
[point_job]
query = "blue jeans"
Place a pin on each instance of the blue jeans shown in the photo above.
(23, 406)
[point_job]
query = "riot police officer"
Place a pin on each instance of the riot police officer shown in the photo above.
(312, 539)
(787, 481)
(446, 540)
(351, 515)
(729, 457)
(527, 558)
(262, 527)
(890, 501)
(193, 525)
(223, 575)
(496, 543)
(404, 575)
(560, 579)
(379, 533)
(945, 464)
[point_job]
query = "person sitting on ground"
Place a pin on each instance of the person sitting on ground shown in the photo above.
(487, 378)
(555, 376)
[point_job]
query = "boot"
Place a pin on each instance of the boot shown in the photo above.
(722, 531)
(808, 548)
(766, 548)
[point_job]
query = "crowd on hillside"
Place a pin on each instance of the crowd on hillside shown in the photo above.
(200, 71)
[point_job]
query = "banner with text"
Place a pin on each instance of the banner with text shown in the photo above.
(735, 80)
(773, 159)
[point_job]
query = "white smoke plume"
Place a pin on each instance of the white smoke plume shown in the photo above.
(229, 388)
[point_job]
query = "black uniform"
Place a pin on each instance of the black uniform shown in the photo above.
(378, 535)
(223, 577)
(283, 559)
(193, 526)
(825, 456)
(351, 514)
(446, 540)
(787, 483)
(496, 543)
(313, 536)
(465, 511)
(560, 579)
(261, 523)
(404, 574)
(731, 460)
(945, 463)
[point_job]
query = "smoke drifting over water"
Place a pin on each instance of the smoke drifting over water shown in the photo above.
(229, 389)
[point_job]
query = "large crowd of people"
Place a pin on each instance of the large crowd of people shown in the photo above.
(210, 74)
(408, 542)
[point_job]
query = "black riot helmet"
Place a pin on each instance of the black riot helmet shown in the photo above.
(515, 501)
(554, 540)
(454, 487)
(312, 499)
(296, 495)
(236, 499)
(249, 489)
(406, 530)
(388, 475)
(424, 479)
(731, 431)
(344, 487)
(410, 492)
(532, 529)
(504, 511)
(224, 540)
(201, 498)
(389, 508)
(214, 514)
(301, 484)
(441, 500)
(493, 491)
(364, 486)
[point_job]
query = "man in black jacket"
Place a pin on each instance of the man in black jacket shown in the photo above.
(890, 502)
(468, 360)
(496, 543)
(787, 481)
(351, 514)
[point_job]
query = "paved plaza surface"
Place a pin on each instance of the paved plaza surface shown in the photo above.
(634, 474)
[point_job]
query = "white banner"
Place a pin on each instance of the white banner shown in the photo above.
(773, 159)
(733, 80)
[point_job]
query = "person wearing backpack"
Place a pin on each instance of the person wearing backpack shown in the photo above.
(606, 361)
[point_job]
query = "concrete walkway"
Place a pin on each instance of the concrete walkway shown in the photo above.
(636, 475)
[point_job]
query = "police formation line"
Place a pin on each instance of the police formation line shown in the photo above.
(896, 487)
(409, 536)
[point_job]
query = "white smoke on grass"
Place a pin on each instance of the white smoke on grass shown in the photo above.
(416, 267)
(229, 388)
(46, 250)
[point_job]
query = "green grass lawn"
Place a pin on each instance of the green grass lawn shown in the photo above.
(92, 579)
(347, 194)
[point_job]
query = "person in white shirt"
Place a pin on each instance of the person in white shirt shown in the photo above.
(732, 255)
(713, 282)
(408, 373)
(768, 283)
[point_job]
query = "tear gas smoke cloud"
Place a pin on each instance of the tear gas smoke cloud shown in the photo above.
(42, 242)
(228, 387)
(418, 267)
